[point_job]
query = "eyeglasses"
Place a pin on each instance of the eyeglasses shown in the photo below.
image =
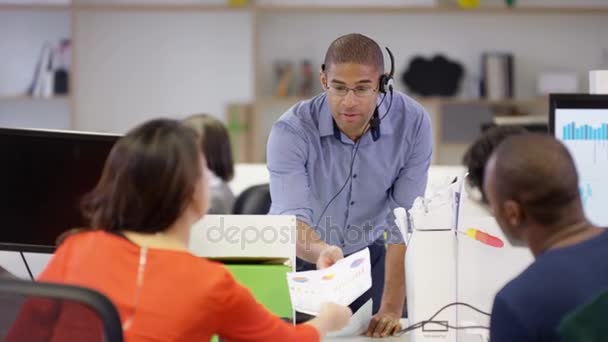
(359, 91)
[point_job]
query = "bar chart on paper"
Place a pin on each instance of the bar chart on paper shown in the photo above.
(585, 134)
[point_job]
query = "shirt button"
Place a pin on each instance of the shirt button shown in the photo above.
(352, 202)
(348, 227)
(355, 175)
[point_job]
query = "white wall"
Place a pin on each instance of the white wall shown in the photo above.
(538, 42)
(132, 66)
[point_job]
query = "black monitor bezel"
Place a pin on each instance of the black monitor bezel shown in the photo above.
(51, 134)
(574, 101)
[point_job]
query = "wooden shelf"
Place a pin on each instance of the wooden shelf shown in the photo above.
(537, 10)
(278, 100)
(271, 8)
(463, 101)
(161, 7)
(25, 98)
(275, 100)
(34, 7)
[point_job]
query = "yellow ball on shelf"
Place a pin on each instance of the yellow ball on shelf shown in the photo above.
(468, 3)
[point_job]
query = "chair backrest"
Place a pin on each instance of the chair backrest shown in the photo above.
(4, 273)
(254, 200)
(587, 323)
(37, 311)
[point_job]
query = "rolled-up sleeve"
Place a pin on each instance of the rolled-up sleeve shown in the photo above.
(412, 178)
(287, 154)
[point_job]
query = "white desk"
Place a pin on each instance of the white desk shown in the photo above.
(402, 338)
(463, 336)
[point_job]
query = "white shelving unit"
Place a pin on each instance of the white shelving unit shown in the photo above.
(24, 29)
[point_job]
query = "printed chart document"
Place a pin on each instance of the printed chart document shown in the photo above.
(340, 283)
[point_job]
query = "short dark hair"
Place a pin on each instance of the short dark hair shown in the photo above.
(538, 172)
(354, 48)
(477, 155)
(148, 179)
(215, 144)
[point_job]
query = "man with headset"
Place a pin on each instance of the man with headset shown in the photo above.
(341, 161)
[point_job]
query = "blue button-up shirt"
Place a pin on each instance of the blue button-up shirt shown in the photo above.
(309, 161)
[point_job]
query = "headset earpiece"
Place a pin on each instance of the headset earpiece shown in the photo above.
(383, 83)
(385, 79)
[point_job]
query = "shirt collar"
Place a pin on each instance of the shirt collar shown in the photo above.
(326, 120)
(328, 126)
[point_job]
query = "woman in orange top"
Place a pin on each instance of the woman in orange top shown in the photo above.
(152, 190)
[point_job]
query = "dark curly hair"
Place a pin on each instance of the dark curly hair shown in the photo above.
(480, 151)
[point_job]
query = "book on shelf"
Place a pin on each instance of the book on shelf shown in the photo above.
(51, 76)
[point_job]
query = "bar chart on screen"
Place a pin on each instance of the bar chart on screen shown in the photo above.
(593, 139)
(586, 192)
(585, 134)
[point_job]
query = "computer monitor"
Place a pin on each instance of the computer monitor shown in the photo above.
(43, 177)
(580, 121)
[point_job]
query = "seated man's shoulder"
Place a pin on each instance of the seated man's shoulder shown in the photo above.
(530, 286)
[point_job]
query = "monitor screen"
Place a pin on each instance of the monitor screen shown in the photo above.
(580, 121)
(43, 177)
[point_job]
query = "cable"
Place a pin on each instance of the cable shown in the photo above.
(352, 160)
(26, 266)
(389, 104)
(420, 324)
(350, 173)
(460, 303)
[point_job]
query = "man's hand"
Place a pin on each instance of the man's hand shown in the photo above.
(384, 324)
(328, 256)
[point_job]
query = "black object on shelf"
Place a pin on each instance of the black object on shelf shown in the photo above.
(61, 85)
(438, 76)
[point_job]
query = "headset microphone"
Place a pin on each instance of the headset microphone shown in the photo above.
(383, 86)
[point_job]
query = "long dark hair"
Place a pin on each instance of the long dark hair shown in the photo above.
(148, 179)
(215, 144)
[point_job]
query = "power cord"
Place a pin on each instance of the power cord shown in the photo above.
(29, 271)
(420, 324)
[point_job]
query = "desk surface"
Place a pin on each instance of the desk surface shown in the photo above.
(462, 336)
(403, 338)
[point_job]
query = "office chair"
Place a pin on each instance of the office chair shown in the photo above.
(37, 311)
(4, 273)
(587, 323)
(255, 200)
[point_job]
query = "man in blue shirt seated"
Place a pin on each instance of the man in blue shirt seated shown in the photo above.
(341, 161)
(532, 187)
